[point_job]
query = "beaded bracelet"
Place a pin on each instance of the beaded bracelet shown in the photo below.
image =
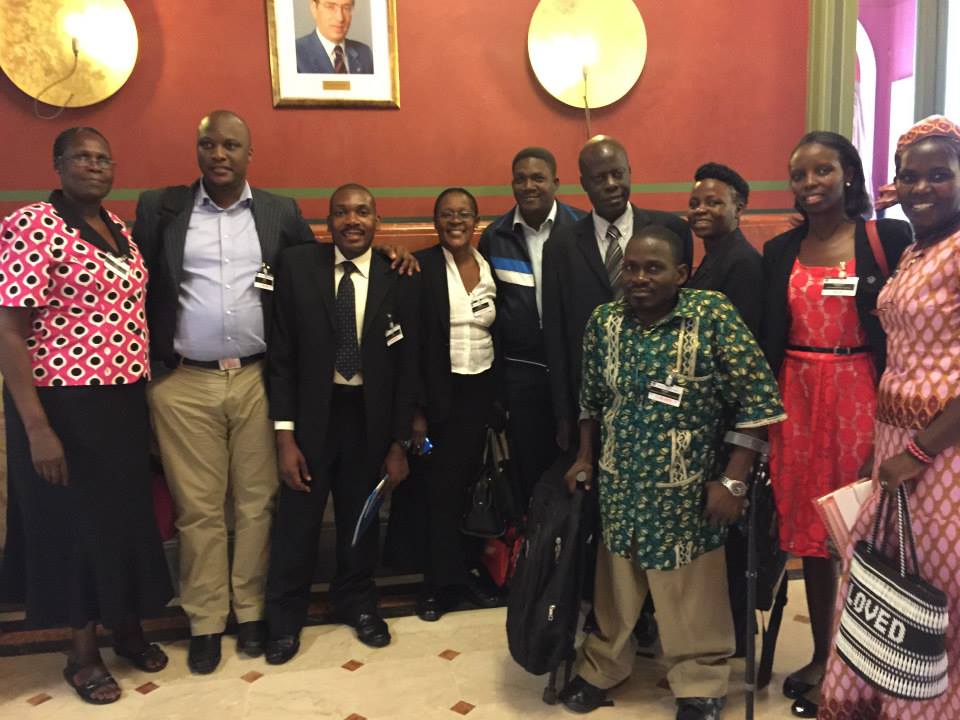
(918, 454)
(922, 448)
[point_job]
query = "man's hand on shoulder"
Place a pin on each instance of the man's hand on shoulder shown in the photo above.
(401, 259)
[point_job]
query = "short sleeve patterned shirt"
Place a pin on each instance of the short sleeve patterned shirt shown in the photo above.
(655, 458)
(88, 325)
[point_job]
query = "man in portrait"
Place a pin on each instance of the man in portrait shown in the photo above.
(327, 49)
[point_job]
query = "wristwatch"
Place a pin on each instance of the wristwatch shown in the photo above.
(737, 488)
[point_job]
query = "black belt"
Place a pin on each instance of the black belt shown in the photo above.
(215, 364)
(831, 350)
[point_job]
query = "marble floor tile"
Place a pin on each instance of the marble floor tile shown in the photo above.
(429, 672)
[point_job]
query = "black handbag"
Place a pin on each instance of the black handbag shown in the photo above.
(893, 626)
(486, 515)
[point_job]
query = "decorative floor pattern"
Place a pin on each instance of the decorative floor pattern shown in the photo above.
(455, 668)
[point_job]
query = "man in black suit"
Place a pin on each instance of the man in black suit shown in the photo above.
(582, 271)
(343, 383)
(209, 248)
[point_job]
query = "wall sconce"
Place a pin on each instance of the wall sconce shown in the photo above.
(587, 53)
(67, 53)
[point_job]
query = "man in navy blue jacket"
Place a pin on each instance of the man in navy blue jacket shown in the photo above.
(513, 245)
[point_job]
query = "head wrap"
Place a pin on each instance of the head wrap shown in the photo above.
(933, 126)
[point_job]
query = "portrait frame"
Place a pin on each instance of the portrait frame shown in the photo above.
(295, 83)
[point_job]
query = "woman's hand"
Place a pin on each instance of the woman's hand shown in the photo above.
(895, 470)
(580, 471)
(419, 433)
(291, 463)
(46, 451)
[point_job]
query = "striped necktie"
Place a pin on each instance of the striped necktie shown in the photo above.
(613, 260)
(339, 62)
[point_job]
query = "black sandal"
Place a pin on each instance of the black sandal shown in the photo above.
(86, 690)
(142, 659)
(794, 688)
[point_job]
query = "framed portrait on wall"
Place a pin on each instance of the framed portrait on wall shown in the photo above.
(334, 52)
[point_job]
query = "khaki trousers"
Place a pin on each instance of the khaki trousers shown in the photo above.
(216, 441)
(693, 614)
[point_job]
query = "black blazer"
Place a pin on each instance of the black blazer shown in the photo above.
(436, 386)
(734, 267)
(779, 256)
(277, 219)
(301, 350)
(575, 282)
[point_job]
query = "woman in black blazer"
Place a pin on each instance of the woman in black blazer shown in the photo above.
(457, 312)
(828, 350)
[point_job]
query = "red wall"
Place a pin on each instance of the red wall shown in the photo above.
(724, 81)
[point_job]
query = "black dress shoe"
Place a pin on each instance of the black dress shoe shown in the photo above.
(431, 604)
(204, 654)
(282, 648)
(481, 593)
(699, 708)
(794, 687)
(582, 697)
(371, 630)
(804, 708)
(251, 637)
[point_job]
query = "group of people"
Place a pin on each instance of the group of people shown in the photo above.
(276, 370)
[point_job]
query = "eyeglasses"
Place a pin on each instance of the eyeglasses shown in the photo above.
(459, 214)
(85, 160)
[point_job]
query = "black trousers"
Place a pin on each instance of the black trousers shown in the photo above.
(531, 429)
(453, 466)
(344, 468)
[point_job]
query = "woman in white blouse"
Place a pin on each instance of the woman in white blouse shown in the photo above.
(457, 313)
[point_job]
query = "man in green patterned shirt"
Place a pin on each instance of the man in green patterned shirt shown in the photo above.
(666, 371)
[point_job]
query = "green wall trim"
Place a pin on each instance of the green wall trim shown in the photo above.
(831, 65)
(418, 191)
(931, 58)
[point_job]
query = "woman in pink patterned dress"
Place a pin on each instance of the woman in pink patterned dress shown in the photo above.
(83, 545)
(918, 408)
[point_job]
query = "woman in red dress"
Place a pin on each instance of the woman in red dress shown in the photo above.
(828, 349)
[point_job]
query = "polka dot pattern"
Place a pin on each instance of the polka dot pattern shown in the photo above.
(89, 324)
(920, 311)
(830, 402)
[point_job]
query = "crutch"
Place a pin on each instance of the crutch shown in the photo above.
(760, 478)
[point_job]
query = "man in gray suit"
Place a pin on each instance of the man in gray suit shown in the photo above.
(327, 49)
(210, 248)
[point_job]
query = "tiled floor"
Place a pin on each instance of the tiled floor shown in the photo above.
(458, 667)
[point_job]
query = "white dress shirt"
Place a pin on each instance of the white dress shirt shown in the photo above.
(220, 314)
(624, 224)
(361, 282)
(328, 48)
(536, 237)
(471, 315)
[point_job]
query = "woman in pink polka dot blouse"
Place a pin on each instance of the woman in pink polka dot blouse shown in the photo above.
(918, 408)
(73, 353)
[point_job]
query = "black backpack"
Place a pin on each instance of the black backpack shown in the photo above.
(545, 592)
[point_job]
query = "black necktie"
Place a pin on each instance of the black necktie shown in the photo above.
(347, 357)
(339, 63)
(613, 260)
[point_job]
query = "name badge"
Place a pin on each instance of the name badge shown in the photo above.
(480, 304)
(117, 265)
(671, 395)
(840, 286)
(263, 280)
(394, 333)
